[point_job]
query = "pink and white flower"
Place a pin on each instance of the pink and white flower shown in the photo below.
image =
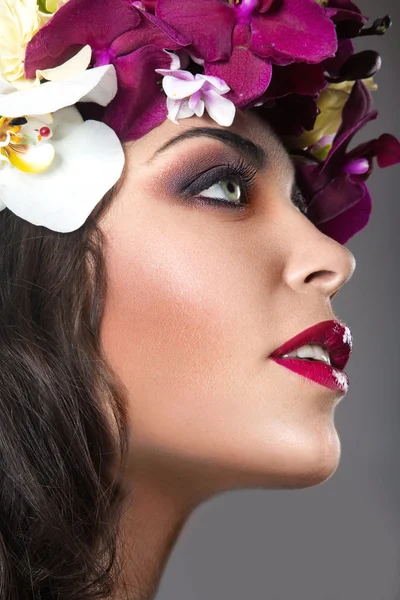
(189, 95)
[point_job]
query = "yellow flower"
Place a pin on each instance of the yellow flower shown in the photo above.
(330, 102)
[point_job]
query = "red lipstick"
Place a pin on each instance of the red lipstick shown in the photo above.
(336, 339)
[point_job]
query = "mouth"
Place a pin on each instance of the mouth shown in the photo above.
(319, 353)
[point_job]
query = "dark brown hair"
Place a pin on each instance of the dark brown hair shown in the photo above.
(59, 449)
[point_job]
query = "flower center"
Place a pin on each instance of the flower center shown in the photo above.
(244, 8)
(23, 143)
(103, 57)
(10, 133)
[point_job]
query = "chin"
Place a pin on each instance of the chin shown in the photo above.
(314, 461)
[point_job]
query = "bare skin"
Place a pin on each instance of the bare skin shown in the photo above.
(199, 297)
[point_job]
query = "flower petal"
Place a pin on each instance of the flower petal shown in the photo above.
(386, 149)
(140, 103)
(355, 115)
(199, 110)
(207, 25)
(89, 161)
(99, 84)
(178, 88)
(194, 100)
(335, 198)
(150, 31)
(6, 87)
(36, 160)
(173, 107)
(298, 30)
(214, 82)
(179, 109)
(71, 68)
(247, 75)
(219, 108)
(351, 221)
(178, 73)
(77, 24)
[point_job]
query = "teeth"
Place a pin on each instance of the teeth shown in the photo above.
(313, 351)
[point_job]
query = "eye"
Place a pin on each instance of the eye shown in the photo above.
(225, 185)
(228, 189)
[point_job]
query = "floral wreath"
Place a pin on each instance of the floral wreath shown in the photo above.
(80, 77)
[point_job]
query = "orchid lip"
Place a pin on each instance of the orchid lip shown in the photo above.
(333, 335)
(359, 166)
(103, 57)
(246, 8)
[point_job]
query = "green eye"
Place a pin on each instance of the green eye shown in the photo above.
(228, 189)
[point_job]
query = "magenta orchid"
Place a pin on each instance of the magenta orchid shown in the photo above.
(180, 58)
(121, 34)
(339, 203)
(241, 40)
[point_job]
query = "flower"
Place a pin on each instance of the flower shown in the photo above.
(20, 142)
(119, 33)
(347, 16)
(55, 167)
(290, 115)
(240, 41)
(339, 203)
(19, 22)
(330, 103)
(189, 94)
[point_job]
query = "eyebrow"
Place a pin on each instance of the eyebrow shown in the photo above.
(249, 150)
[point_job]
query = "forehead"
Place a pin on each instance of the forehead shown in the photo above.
(246, 124)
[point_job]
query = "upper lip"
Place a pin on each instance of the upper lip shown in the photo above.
(333, 335)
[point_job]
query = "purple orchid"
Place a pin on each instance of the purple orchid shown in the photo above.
(241, 40)
(338, 200)
(119, 33)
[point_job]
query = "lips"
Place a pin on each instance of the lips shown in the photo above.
(333, 335)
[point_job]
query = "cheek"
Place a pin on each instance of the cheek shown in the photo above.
(186, 326)
(179, 327)
(175, 313)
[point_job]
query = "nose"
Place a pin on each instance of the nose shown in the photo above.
(316, 261)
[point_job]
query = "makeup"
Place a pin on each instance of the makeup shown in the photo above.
(332, 336)
(326, 375)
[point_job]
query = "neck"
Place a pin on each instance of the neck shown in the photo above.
(149, 530)
(158, 500)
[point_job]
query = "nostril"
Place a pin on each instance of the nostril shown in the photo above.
(311, 276)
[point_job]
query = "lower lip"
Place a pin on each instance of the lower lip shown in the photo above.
(321, 373)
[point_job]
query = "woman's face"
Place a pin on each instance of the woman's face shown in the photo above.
(199, 295)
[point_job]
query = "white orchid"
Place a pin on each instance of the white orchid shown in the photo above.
(55, 167)
(189, 95)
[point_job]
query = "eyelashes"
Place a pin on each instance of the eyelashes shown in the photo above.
(299, 200)
(243, 174)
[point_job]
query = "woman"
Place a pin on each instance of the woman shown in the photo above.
(150, 326)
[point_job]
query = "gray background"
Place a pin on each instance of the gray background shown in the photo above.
(339, 540)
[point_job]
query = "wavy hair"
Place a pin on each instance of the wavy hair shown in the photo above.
(59, 448)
